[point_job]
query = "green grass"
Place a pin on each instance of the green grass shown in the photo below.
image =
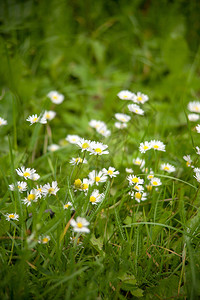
(89, 51)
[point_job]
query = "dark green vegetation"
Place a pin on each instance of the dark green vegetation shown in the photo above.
(89, 51)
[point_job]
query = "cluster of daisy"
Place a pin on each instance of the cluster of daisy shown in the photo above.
(194, 108)
(100, 127)
(153, 144)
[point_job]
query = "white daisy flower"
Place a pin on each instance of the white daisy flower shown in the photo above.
(97, 148)
(194, 106)
(196, 170)
(12, 216)
(77, 161)
(80, 225)
(85, 185)
(132, 179)
(122, 117)
(140, 98)
(47, 189)
(138, 188)
(39, 191)
(53, 147)
(188, 160)
(198, 128)
(21, 186)
(197, 176)
(104, 131)
(139, 162)
(111, 172)
(25, 172)
(155, 181)
(125, 95)
(168, 168)
(139, 196)
(77, 184)
(120, 125)
(135, 109)
(145, 146)
(97, 124)
(129, 170)
(150, 175)
(198, 150)
(72, 138)
(35, 119)
(68, 205)
(157, 145)
(55, 97)
(32, 196)
(3, 122)
(96, 197)
(35, 177)
(43, 239)
(85, 145)
(193, 117)
(49, 115)
(97, 177)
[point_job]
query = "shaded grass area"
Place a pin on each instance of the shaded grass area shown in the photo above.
(89, 51)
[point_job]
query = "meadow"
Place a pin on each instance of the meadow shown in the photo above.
(99, 149)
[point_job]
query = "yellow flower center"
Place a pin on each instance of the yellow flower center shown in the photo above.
(139, 98)
(137, 162)
(19, 187)
(125, 96)
(31, 197)
(138, 195)
(97, 178)
(74, 140)
(45, 240)
(136, 110)
(145, 147)
(39, 190)
(155, 146)
(84, 186)
(135, 180)
(155, 183)
(150, 176)
(51, 190)
(136, 187)
(188, 164)
(110, 172)
(78, 159)
(11, 216)
(55, 97)
(166, 168)
(85, 145)
(66, 205)
(196, 108)
(0, 122)
(26, 174)
(77, 183)
(35, 119)
(123, 120)
(47, 116)
(92, 199)
(79, 225)
(98, 150)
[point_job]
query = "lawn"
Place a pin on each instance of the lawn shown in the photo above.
(99, 149)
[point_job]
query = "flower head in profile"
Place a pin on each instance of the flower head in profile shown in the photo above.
(55, 97)
(157, 145)
(111, 172)
(80, 225)
(145, 146)
(43, 239)
(3, 122)
(48, 189)
(120, 125)
(35, 177)
(53, 147)
(188, 160)
(129, 170)
(49, 115)
(73, 138)
(35, 119)
(125, 95)
(27, 173)
(97, 124)
(135, 109)
(97, 177)
(139, 162)
(194, 106)
(168, 168)
(97, 148)
(77, 161)
(193, 117)
(68, 205)
(104, 131)
(122, 117)
(12, 216)
(96, 197)
(140, 98)
(21, 186)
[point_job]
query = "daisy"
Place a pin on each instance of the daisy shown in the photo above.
(198, 150)
(140, 98)
(80, 225)
(138, 188)
(139, 162)
(194, 106)
(168, 168)
(129, 170)
(77, 184)
(49, 115)
(97, 177)
(31, 197)
(138, 196)
(73, 139)
(110, 172)
(157, 145)
(198, 128)
(150, 175)
(77, 161)
(47, 189)
(97, 124)
(120, 125)
(188, 160)
(3, 122)
(145, 146)
(85, 185)
(85, 145)
(155, 181)
(132, 179)
(43, 239)
(21, 186)
(12, 216)
(97, 148)
(96, 197)
(39, 191)
(193, 117)
(68, 205)
(25, 172)
(35, 177)
(55, 97)
(135, 109)
(125, 95)
(53, 147)
(197, 177)
(122, 117)
(104, 131)
(35, 119)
